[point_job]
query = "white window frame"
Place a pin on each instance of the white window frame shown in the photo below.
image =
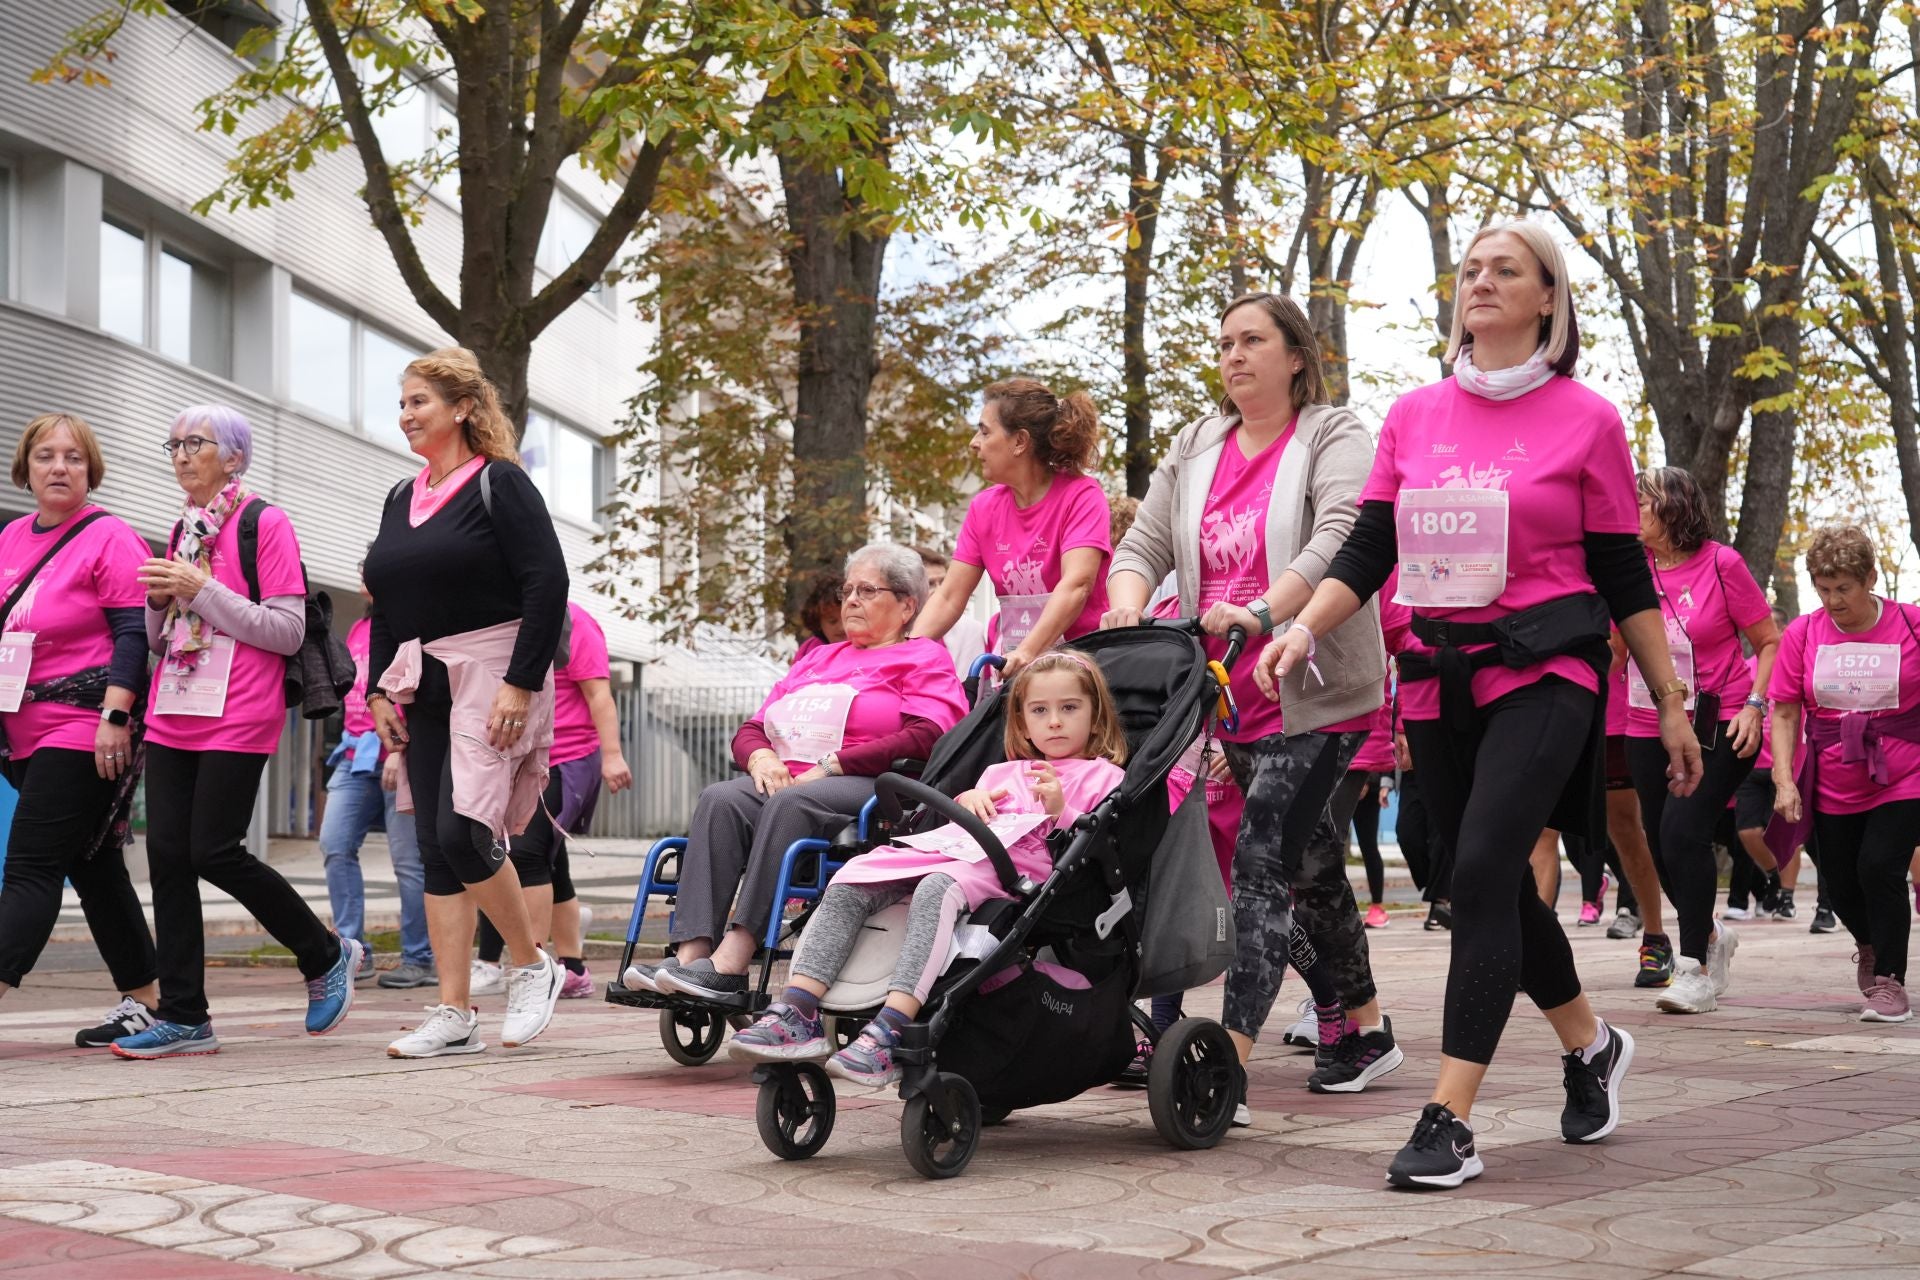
(603, 295)
(154, 242)
(10, 220)
(602, 470)
(358, 326)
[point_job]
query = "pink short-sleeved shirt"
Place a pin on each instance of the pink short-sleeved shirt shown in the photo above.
(1233, 566)
(574, 737)
(1560, 454)
(62, 609)
(1376, 753)
(890, 683)
(1842, 787)
(256, 708)
(1021, 550)
(1708, 601)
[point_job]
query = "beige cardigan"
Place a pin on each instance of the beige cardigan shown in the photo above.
(1316, 496)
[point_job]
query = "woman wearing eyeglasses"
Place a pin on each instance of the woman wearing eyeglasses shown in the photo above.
(214, 715)
(834, 723)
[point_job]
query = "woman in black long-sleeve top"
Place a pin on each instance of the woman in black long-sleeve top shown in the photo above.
(466, 547)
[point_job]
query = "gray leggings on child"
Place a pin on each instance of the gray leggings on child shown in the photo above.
(844, 909)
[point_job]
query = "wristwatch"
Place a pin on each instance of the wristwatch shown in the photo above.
(118, 719)
(1675, 685)
(1262, 613)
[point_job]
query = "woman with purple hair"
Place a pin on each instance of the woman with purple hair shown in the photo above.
(222, 629)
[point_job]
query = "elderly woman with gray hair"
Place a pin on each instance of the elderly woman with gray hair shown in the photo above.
(836, 721)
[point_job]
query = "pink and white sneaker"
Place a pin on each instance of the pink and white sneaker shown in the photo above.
(578, 986)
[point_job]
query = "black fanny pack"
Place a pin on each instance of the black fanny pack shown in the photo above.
(1575, 625)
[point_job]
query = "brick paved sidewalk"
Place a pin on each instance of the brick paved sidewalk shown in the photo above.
(1775, 1138)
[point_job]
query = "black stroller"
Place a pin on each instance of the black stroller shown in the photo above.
(974, 1056)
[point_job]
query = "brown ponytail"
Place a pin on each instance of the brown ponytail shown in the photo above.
(1065, 432)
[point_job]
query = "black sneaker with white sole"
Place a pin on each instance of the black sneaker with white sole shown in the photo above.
(128, 1018)
(1824, 920)
(1438, 1156)
(1360, 1059)
(1593, 1089)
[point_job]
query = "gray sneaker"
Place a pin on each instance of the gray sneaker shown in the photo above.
(1625, 924)
(406, 976)
(700, 979)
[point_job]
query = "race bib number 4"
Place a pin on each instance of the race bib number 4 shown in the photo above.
(810, 723)
(1857, 677)
(1453, 547)
(1018, 617)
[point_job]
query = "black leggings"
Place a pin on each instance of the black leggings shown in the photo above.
(1428, 860)
(63, 804)
(539, 857)
(1359, 794)
(1490, 794)
(1680, 830)
(455, 851)
(1593, 861)
(1863, 867)
(199, 805)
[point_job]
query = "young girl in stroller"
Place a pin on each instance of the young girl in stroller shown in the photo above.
(1064, 749)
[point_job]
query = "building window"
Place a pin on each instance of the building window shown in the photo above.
(192, 320)
(565, 464)
(228, 21)
(382, 359)
(123, 281)
(6, 232)
(320, 371)
(568, 228)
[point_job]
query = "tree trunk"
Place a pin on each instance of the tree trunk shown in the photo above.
(1143, 209)
(1231, 216)
(1770, 455)
(505, 357)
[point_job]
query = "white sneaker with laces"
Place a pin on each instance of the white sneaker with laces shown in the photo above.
(446, 1031)
(487, 979)
(1736, 913)
(1720, 949)
(1691, 990)
(1304, 1033)
(532, 991)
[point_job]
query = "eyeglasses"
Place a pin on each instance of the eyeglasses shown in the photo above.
(192, 445)
(863, 591)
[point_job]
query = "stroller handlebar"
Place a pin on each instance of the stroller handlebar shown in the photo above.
(984, 661)
(1236, 636)
(890, 790)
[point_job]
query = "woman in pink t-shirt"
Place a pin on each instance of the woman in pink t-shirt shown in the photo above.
(73, 662)
(1507, 736)
(1039, 530)
(1708, 601)
(829, 727)
(1850, 674)
(1246, 509)
(214, 715)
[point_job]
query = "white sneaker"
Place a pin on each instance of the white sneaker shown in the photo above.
(446, 1031)
(1691, 990)
(1736, 913)
(639, 977)
(487, 979)
(531, 994)
(1304, 1033)
(1720, 951)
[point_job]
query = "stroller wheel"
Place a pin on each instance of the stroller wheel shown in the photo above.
(1191, 1087)
(691, 1037)
(795, 1110)
(933, 1148)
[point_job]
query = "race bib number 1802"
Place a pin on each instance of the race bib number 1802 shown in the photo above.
(1453, 547)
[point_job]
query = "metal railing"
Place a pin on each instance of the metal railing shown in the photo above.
(678, 740)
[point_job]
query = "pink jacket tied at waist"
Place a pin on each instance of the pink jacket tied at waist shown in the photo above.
(499, 789)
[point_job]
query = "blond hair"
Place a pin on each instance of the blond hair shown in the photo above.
(1105, 738)
(455, 374)
(1559, 331)
(83, 436)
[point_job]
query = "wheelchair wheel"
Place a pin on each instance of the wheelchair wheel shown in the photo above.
(795, 1110)
(691, 1038)
(1193, 1085)
(933, 1149)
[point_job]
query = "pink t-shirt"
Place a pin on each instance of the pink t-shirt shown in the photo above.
(1376, 753)
(1233, 566)
(1617, 704)
(355, 717)
(256, 707)
(1021, 549)
(890, 683)
(1708, 601)
(61, 609)
(1560, 455)
(574, 737)
(1798, 677)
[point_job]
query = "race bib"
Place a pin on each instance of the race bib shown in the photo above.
(16, 656)
(1857, 677)
(951, 842)
(1640, 696)
(1453, 547)
(195, 684)
(1018, 617)
(810, 723)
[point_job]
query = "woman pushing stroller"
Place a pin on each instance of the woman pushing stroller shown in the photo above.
(1064, 748)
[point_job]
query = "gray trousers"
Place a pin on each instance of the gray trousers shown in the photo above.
(738, 839)
(844, 910)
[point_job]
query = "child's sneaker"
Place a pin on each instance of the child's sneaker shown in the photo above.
(868, 1060)
(781, 1034)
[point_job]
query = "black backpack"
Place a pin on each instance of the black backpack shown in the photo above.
(321, 672)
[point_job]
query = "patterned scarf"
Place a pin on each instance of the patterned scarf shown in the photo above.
(184, 630)
(1503, 384)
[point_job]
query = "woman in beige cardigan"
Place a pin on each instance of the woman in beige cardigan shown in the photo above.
(1247, 510)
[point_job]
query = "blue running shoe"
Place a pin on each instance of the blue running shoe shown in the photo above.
(868, 1060)
(782, 1034)
(330, 995)
(167, 1040)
